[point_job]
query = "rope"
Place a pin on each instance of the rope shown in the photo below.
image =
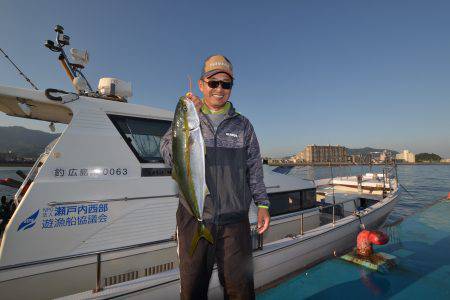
(20, 72)
(407, 191)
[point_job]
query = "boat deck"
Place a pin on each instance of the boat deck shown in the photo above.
(351, 200)
(421, 244)
(341, 195)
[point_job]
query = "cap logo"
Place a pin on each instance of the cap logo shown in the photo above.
(219, 63)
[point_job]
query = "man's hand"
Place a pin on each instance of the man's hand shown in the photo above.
(263, 219)
(197, 101)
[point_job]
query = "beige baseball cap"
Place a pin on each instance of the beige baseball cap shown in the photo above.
(217, 64)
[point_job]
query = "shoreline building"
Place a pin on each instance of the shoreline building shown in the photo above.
(406, 156)
(280, 161)
(322, 154)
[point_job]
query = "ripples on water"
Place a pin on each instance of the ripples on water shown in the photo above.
(426, 183)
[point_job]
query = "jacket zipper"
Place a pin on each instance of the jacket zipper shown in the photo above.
(216, 215)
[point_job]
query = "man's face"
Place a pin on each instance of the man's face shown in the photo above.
(215, 98)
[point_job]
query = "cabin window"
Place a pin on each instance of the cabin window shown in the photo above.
(308, 198)
(143, 136)
(287, 202)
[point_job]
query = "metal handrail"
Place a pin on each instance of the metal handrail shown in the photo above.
(273, 187)
(122, 248)
(301, 225)
(292, 214)
(306, 211)
(321, 207)
(27, 179)
(55, 203)
(98, 287)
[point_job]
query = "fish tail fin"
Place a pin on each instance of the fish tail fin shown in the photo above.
(206, 234)
(202, 232)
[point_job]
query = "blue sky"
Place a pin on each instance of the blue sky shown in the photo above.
(355, 73)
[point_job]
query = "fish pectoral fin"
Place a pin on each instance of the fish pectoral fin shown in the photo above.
(206, 192)
(174, 173)
(202, 232)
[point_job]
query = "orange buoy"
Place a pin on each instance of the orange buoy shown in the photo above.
(367, 238)
(448, 196)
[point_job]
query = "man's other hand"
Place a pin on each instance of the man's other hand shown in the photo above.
(197, 101)
(263, 219)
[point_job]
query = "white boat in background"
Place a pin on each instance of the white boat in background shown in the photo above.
(95, 216)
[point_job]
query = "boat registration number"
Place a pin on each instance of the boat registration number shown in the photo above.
(89, 172)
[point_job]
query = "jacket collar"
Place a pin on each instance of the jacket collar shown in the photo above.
(231, 111)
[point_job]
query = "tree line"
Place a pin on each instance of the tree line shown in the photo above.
(428, 157)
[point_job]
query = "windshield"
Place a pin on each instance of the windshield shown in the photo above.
(143, 136)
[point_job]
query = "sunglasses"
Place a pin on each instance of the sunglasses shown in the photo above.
(226, 85)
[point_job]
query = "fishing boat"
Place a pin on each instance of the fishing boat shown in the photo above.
(95, 215)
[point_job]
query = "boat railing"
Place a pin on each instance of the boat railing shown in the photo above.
(86, 254)
(328, 213)
(56, 203)
(28, 179)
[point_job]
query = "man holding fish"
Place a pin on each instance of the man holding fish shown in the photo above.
(216, 161)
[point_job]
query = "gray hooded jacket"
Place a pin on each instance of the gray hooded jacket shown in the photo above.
(233, 165)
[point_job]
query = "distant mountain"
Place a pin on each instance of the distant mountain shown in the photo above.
(367, 150)
(24, 142)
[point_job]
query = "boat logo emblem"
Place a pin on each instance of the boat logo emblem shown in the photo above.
(28, 222)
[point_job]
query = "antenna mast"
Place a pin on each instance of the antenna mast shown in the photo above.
(73, 70)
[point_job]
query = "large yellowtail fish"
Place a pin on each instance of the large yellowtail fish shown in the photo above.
(188, 155)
